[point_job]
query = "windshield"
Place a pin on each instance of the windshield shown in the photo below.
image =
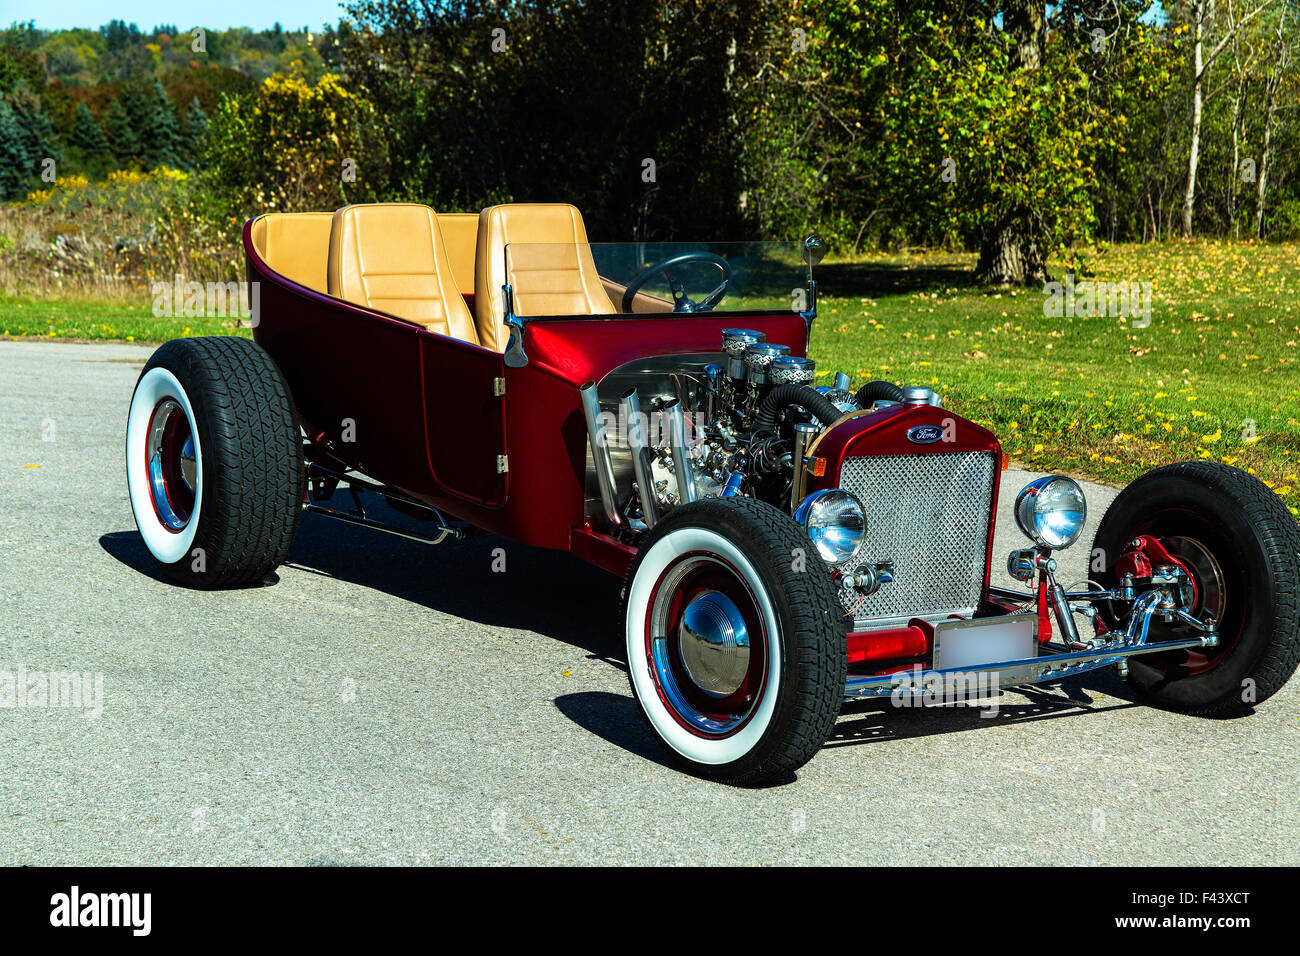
(565, 279)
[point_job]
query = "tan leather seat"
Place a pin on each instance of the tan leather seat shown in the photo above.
(558, 278)
(460, 232)
(391, 257)
(295, 244)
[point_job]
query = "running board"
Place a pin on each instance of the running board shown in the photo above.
(1050, 667)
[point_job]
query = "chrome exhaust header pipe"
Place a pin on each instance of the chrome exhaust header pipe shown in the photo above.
(681, 461)
(804, 435)
(600, 453)
(630, 404)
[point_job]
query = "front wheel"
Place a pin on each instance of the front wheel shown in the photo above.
(214, 462)
(1241, 548)
(735, 646)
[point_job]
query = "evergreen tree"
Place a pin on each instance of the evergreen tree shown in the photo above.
(137, 110)
(86, 134)
(196, 132)
(13, 156)
(160, 141)
(122, 138)
(34, 127)
(119, 35)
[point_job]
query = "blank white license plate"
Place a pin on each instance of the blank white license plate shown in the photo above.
(986, 641)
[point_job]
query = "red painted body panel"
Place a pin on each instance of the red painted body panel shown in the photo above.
(464, 419)
(613, 556)
(885, 433)
(583, 350)
(421, 408)
(349, 370)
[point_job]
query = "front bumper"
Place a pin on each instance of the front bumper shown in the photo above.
(1063, 660)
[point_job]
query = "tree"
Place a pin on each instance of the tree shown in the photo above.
(86, 134)
(567, 100)
(294, 147)
(120, 130)
(39, 142)
(196, 133)
(120, 36)
(20, 66)
(1284, 53)
(159, 137)
(1009, 251)
(1202, 14)
(13, 156)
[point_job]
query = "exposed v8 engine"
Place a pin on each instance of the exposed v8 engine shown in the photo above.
(742, 426)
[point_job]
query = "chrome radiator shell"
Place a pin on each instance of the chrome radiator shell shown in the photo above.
(930, 514)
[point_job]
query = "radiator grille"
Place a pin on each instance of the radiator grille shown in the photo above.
(929, 514)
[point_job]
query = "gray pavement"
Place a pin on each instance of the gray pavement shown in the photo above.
(388, 703)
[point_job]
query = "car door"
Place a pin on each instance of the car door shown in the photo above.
(464, 418)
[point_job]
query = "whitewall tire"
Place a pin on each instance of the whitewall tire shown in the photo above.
(735, 646)
(214, 462)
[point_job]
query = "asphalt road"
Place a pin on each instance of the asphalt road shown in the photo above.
(389, 703)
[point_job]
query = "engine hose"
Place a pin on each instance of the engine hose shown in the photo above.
(782, 396)
(872, 391)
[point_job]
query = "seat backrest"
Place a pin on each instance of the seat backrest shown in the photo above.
(557, 279)
(391, 257)
(460, 232)
(295, 244)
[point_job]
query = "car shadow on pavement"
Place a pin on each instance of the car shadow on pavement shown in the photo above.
(128, 547)
(547, 592)
(616, 719)
(613, 718)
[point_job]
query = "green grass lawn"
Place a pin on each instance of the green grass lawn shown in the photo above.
(92, 320)
(1215, 376)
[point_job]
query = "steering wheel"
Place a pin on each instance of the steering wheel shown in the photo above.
(681, 301)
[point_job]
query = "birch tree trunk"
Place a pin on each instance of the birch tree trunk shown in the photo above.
(1194, 148)
(1202, 13)
(1281, 61)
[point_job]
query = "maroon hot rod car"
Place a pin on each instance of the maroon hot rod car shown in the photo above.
(785, 542)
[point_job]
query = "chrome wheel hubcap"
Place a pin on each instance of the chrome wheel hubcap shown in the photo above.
(172, 465)
(714, 644)
(707, 656)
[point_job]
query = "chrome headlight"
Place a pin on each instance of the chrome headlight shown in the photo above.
(1051, 511)
(836, 523)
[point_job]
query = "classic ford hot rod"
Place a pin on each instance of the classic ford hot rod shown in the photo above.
(784, 540)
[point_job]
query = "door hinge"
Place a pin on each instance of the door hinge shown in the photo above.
(503, 464)
(498, 387)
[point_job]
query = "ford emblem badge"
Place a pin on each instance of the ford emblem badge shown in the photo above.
(924, 434)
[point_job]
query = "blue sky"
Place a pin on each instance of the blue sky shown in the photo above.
(257, 14)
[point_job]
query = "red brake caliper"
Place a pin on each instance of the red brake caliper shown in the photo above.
(1145, 553)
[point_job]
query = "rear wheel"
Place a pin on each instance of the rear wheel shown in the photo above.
(736, 650)
(1241, 547)
(214, 462)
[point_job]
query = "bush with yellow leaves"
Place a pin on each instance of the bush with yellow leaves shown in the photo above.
(292, 146)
